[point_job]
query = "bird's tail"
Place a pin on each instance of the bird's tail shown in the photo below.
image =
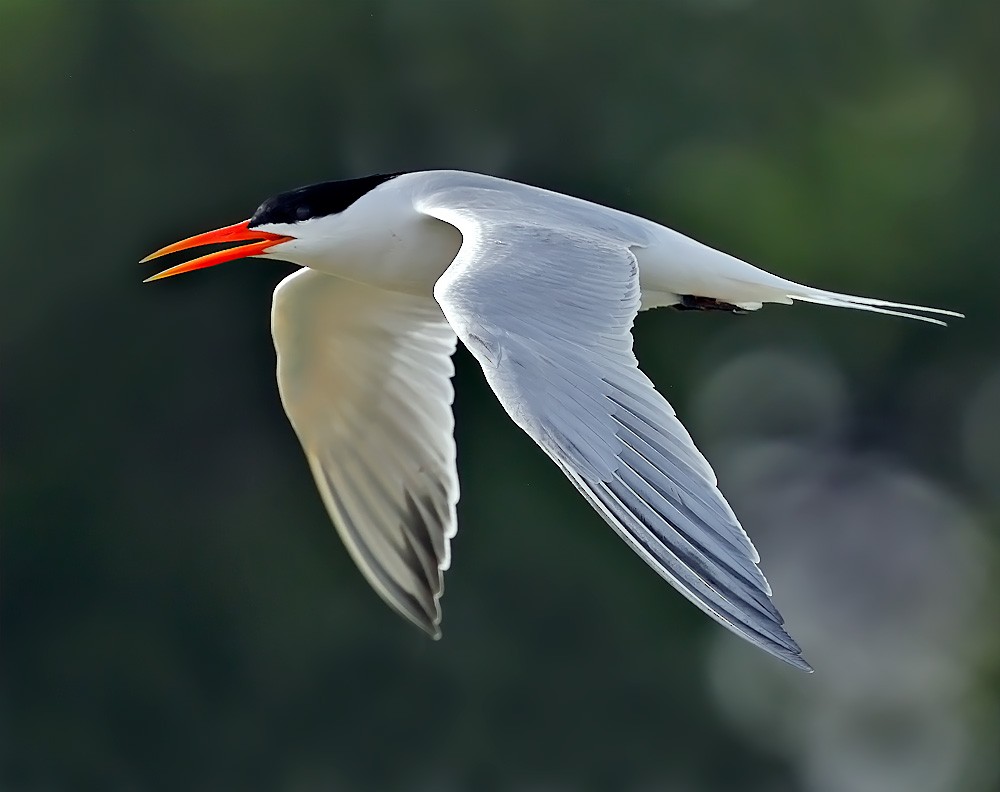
(673, 265)
(836, 300)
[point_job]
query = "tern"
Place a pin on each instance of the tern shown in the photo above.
(543, 289)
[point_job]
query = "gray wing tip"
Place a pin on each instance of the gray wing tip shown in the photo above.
(795, 660)
(786, 650)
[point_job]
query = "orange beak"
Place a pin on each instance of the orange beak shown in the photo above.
(238, 232)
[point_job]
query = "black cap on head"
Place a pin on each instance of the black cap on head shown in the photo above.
(316, 200)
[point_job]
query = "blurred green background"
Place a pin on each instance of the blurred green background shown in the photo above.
(176, 612)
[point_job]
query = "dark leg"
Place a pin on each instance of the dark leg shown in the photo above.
(691, 302)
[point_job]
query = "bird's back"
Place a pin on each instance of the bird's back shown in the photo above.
(670, 264)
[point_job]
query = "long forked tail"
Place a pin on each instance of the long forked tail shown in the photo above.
(677, 265)
(821, 297)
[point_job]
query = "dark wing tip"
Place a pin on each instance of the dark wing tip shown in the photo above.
(797, 661)
(431, 625)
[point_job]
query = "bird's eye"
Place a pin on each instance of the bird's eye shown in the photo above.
(302, 213)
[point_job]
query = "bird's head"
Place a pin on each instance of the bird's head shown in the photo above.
(298, 226)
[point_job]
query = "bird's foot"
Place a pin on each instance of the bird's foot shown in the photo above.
(691, 302)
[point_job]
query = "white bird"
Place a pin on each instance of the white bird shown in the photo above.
(543, 289)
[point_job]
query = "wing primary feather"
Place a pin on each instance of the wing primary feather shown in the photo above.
(709, 598)
(418, 610)
(693, 531)
(422, 547)
(738, 591)
(713, 518)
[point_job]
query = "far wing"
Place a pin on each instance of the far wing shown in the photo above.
(545, 300)
(365, 377)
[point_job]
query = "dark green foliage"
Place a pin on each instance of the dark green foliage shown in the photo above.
(176, 611)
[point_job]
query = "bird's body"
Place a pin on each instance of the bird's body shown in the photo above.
(392, 239)
(543, 289)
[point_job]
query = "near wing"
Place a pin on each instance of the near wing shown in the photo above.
(547, 309)
(365, 377)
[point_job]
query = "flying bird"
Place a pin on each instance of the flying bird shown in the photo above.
(543, 289)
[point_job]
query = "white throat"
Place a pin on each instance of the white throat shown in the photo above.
(380, 240)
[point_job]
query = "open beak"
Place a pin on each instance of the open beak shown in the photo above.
(238, 232)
